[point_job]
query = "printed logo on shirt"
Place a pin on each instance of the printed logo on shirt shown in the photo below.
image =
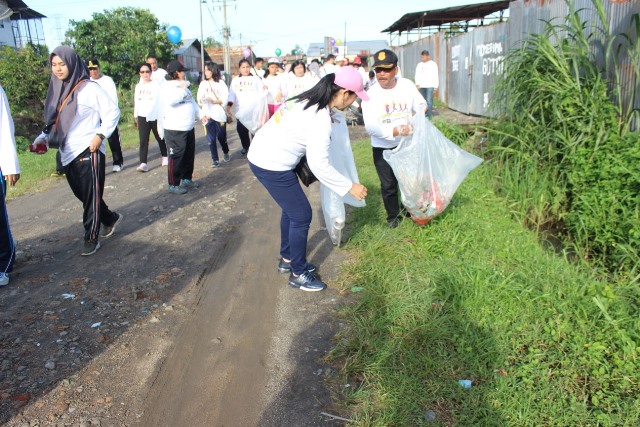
(288, 106)
(146, 94)
(246, 84)
(212, 91)
(394, 111)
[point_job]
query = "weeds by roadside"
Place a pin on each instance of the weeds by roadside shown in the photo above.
(563, 145)
(473, 295)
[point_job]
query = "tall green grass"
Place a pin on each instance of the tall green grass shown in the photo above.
(473, 295)
(565, 152)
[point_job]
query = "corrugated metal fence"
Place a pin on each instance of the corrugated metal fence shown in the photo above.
(469, 63)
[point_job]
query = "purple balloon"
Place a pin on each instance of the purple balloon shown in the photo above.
(333, 41)
(246, 52)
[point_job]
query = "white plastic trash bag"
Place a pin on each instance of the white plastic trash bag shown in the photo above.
(334, 213)
(429, 169)
(341, 158)
(254, 114)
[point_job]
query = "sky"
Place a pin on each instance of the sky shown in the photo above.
(263, 24)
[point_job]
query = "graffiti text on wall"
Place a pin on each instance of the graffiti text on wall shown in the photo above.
(492, 58)
(455, 54)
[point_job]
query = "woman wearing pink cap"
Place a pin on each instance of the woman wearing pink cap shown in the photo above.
(303, 127)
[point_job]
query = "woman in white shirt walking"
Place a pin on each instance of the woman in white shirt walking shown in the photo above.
(244, 93)
(212, 97)
(273, 80)
(78, 116)
(298, 80)
(145, 116)
(178, 114)
(303, 127)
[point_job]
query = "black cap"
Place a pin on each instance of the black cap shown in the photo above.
(385, 59)
(93, 63)
(174, 66)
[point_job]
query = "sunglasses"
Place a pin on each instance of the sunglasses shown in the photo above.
(145, 72)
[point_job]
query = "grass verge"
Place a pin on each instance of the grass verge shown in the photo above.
(473, 295)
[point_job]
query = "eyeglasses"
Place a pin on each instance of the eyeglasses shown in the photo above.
(145, 72)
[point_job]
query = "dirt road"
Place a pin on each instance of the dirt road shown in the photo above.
(180, 319)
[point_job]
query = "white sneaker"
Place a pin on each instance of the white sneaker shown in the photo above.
(4, 279)
(117, 168)
(165, 161)
(142, 168)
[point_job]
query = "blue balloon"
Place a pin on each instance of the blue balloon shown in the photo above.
(174, 34)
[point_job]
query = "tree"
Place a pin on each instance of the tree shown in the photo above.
(211, 42)
(120, 39)
(24, 74)
(297, 50)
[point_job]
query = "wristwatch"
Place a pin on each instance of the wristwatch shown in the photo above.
(101, 136)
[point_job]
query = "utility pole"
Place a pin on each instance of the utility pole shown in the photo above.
(227, 54)
(226, 49)
(201, 40)
(344, 40)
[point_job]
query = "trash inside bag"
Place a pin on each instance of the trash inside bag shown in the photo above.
(429, 169)
(341, 158)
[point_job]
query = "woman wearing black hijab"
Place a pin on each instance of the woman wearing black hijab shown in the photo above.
(78, 116)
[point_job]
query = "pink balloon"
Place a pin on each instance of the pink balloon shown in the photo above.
(246, 52)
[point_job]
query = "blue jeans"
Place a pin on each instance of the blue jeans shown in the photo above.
(427, 92)
(216, 130)
(7, 248)
(285, 189)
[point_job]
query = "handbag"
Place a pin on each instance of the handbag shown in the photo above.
(229, 116)
(304, 172)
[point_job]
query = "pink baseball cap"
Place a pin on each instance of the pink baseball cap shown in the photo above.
(349, 78)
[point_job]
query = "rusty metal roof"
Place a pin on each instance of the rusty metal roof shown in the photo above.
(430, 18)
(22, 11)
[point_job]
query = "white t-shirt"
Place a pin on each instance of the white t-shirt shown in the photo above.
(159, 75)
(364, 74)
(294, 85)
(257, 72)
(95, 113)
(427, 74)
(274, 86)
(9, 163)
(388, 108)
(244, 91)
(327, 68)
(209, 93)
(145, 101)
(109, 86)
(293, 132)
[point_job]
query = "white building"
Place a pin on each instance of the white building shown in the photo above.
(20, 26)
